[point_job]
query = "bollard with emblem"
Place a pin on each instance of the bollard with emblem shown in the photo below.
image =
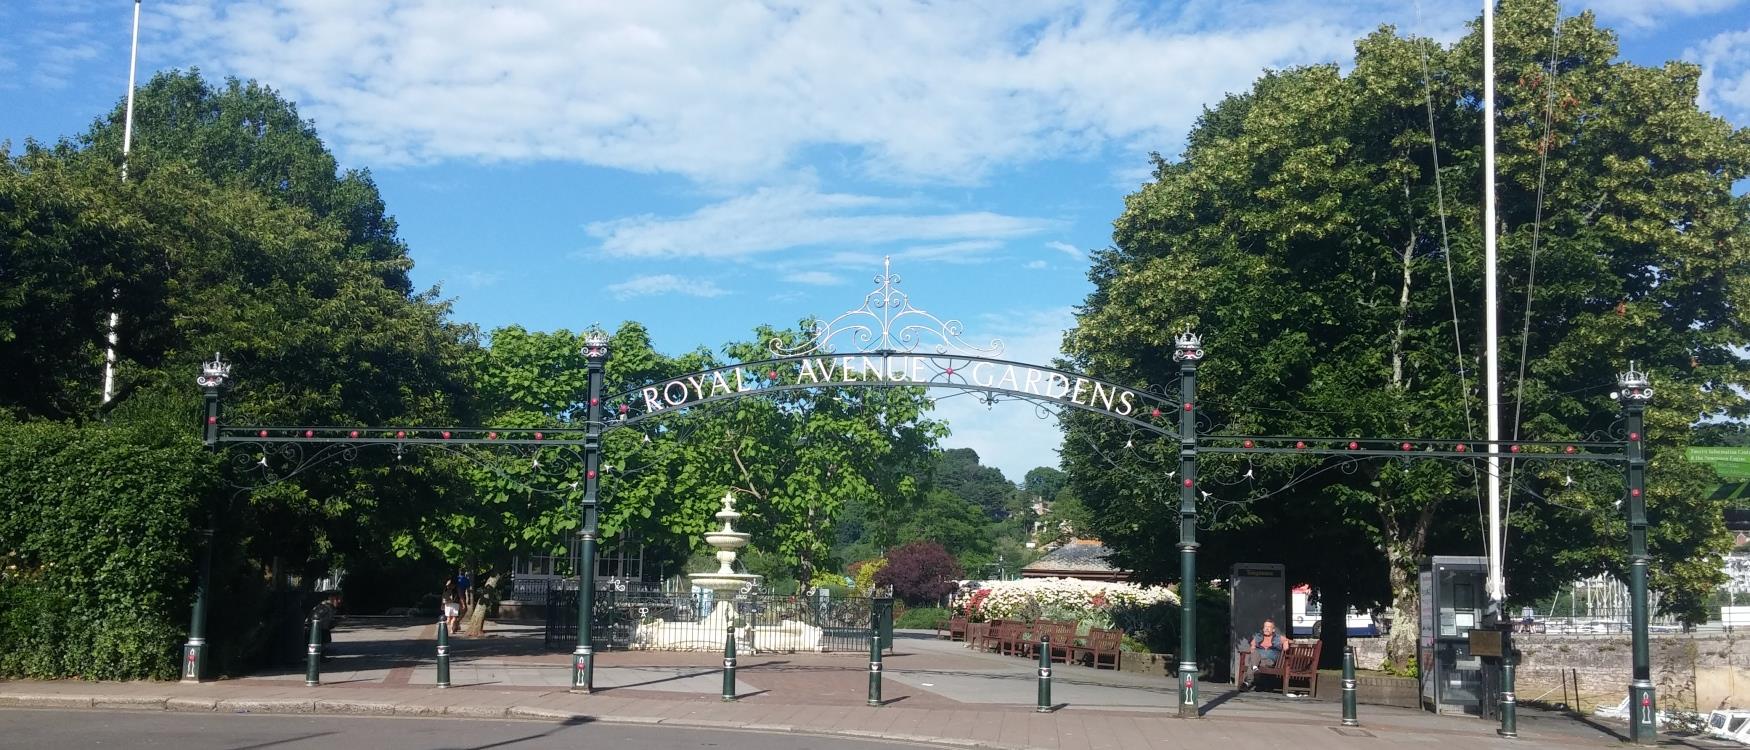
(874, 662)
(729, 664)
(1349, 719)
(1044, 674)
(443, 644)
(313, 666)
(1509, 702)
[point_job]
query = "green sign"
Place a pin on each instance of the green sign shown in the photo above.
(1731, 463)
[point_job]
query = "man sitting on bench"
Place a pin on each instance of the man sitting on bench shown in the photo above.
(1267, 647)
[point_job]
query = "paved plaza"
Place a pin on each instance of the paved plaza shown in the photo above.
(934, 692)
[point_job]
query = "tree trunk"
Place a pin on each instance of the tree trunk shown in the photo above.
(1406, 624)
(485, 595)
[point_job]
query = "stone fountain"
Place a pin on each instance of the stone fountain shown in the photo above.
(724, 583)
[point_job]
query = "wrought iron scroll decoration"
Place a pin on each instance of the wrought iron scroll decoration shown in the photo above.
(886, 322)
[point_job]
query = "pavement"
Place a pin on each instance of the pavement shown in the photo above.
(934, 692)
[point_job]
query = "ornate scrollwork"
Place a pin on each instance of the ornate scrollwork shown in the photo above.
(886, 322)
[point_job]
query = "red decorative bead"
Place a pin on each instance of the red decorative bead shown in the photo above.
(212, 420)
(491, 436)
(590, 473)
(1461, 448)
(400, 434)
(1154, 412)
(1513, 449)
(1405, 446)
(263, 433)
(1188, 407)
(1299, 445)
(1568, 450)
(446, 434)
(949, 371)
(1247, 444)
(594, 401)
(771, 374)
(1636, 492)
(309, 433)
(539, 436)
(624, 408)
(1187, 483)
(354, 434)
(1634, 436)
(1354, 445)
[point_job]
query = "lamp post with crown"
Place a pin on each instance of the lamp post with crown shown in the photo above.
(1188, 350)
(212, 380)
(595, 354)
(1635, 391)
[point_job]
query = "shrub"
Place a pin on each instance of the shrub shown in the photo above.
(922, 618)
(920, 572)
(96, 545)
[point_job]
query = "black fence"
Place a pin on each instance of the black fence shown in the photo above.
(844, 622)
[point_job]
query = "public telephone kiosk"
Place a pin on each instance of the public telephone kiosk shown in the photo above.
(1260, 592)
(1454, 678)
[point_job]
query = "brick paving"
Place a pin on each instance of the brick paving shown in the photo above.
(934, 692)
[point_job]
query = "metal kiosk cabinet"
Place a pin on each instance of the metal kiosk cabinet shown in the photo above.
(1453, 603)
(1260, 591)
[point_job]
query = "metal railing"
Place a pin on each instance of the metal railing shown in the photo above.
(844, 622)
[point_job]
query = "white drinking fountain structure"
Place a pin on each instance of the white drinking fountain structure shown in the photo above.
(724, 583)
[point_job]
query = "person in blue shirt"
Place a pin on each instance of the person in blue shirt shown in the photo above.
(1266, 652)
(462, 586)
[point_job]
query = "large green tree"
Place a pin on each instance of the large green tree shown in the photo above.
(1303, 233)
(235, 233)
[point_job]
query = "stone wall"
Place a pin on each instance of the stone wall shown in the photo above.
(1693, 671)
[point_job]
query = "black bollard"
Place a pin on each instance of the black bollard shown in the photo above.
(1349, 719)
(729, 664)
(875, 666)
(1509, 702)
(443, 644)
(313, 660)
(1044, 674)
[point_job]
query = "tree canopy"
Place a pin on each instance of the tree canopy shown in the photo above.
(1304, 234)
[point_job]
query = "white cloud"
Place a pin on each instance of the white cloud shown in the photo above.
(771, 219)
(813, 278)
(479, 279)
(1725, 73)
(1035, 265)
(731, 93)
(1065, 248)
(1646, 14)
(664, 283)
(1011, 435)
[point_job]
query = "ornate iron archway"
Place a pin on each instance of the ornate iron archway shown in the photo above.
(885, 343)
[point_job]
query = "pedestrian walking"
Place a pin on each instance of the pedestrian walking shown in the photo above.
(452, 601)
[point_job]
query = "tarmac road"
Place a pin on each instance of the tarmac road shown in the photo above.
(52, 730)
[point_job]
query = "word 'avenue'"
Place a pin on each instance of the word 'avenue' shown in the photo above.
(895, 369)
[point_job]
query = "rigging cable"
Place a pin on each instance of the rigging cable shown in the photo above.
(1545, 145)
(1470, 429)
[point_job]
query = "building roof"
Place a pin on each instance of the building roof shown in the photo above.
(1081, 558)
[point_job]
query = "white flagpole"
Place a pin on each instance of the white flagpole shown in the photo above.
(1497, 584)
(127, 143)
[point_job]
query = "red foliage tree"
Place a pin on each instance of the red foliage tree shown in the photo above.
(920, 572)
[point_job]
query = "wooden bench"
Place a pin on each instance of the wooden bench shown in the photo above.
(1299, 663)
(953, 629)
(1101, 647)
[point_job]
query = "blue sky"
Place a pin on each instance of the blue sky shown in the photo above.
(707, 167)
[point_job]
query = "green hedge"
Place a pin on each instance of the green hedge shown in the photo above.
(921, 618)
(96, 544)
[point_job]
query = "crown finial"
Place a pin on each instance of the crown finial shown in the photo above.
(214, 374)
(595, 343)
(1188, 346)
(1634, 385)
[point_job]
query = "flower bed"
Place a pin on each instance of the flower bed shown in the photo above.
(1088, 602)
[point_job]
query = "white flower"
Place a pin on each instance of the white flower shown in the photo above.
(1028, 596)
